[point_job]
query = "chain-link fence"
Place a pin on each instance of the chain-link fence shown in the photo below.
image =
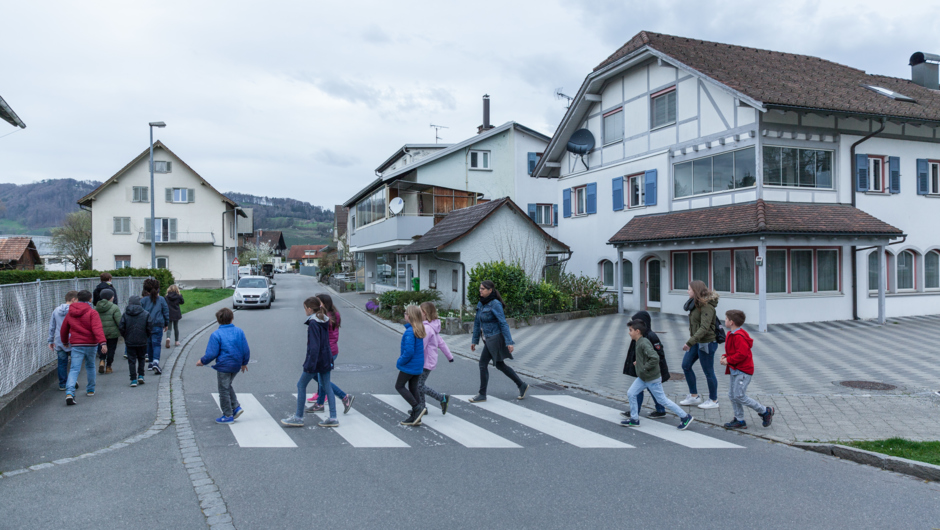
(25, 311)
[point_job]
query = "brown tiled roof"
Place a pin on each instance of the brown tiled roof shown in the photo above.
(789, 79)
(271, 237)
(12, 248)
(299, 251)
(754, 218)
(340, 216)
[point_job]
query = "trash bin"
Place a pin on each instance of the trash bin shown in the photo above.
(416, 284)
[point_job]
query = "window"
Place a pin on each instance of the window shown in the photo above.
(721, 271)
(724, 270)
(932, 270)
(876, 174)
(802, 168)
(827, 270)
(934, 178)
(164, 230)
(635, 190)
(454, 280)
(906, 268)
(680, 271)
(162, 167)
(141, 194)
(122, 225)
(162, 262)
(626, 274)
(180, 195)
(613, 126)
(873, 271)
(890, 93)
(370, 209)
(432, 279)
(479, 159)
(744, 270)
(607, 273)
(663, 107)
(580, 200)
(801, 271)
(727, 171)
(385, 272)
(700, 266)
(543, 214)
(122, 262)
(776, 271)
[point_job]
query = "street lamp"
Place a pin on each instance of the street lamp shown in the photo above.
(153, 228)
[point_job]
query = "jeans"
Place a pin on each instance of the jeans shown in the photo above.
(227, 400)
(639, 402)
(412, 390)
(175, 326)
(656, 389)
(82, 355)
(485, 359)
(337, 391)
(697, 353)
(63, 367)
(112, 346)
(424, 389)
(324, 381)
(153, 349)
(136, 361)
(738, 395)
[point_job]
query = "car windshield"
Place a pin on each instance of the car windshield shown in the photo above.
(252, 283)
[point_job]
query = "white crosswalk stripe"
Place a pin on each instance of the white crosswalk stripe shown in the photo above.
(359, 430)
(457, 429)
(255, 427)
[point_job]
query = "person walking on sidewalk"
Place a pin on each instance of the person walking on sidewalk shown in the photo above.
(135, 328)
(81, 330)
(317, 365)
(411, 364)
(649, 377)
(701, 345)
(105, 284)
(432, 343)
(62, 351)
(159, 311)
(110, 320)
(335, 319)
(228, 347)
(174, 299)
(739, 364)
(490, 322)
(630, 369)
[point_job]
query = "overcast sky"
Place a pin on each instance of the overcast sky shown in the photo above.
(306, 99)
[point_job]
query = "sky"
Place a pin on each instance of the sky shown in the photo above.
(306, 99)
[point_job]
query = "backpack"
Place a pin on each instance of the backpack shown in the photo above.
(719, 332)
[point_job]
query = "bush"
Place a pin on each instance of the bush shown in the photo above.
(397, 300)
(164, 275)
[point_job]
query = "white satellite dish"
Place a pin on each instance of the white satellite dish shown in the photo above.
(396, 205)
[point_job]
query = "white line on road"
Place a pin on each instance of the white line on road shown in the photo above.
(457, 429)
(255, 427)
(359, 430)
(647, 426)
(565, 432)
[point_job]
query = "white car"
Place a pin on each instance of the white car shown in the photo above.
(244, 270)
(253, 291)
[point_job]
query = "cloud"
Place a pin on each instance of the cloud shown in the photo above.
(375, 35)
(332, 158)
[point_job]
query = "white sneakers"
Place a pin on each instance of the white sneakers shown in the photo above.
(709, 404)
(691, 400)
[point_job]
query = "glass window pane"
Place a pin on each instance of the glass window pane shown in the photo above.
(486, 160)
(776, 271)
(671, 107)
(873, 271)
(801, 271)
(721, 271)
(906, 270)
(744, 271)
(724, 172)
(772, 162)
(473, 159)
(932, 270)
(702, 176)
(613, 127)
(635, 183)
(659, 111)
(683, 179)
(700, 266)
(827, 273)
(824, 169)
(790, 163)
(875, 165)
(807, 168)
(627, 273)
(608, 274)
(680, 271)
(581, 207)
(744, 168)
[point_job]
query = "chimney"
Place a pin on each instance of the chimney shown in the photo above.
(486, 115)
(925, 70)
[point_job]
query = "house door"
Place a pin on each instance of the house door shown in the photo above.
(653, 284)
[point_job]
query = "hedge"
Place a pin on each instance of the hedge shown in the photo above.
(164, 275)
(392, 299)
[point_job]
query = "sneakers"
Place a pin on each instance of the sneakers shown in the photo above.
(61, 387)
(479, 398)
(167, 343)
(293, 421)
(685, 422)
(656, 414)
(421, 411)
(347, 403)
(156, 369)
(177, 343)
(313, 399)
(410, 420)
(90, 393)
(238, 412)
(768, 417)
(735, 424)
(332, 422)
(101, 366)
(150, 366)
(523, 390)
(133, 382)
(140, 380)
(69, 399)
(625, 414)
(630, 423)
(225, 419)
(691, 400)
(709, 404)
(316, 407)
(444, 403)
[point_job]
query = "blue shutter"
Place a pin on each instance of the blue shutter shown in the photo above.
(894, 166)
(861, 172)
(591, 198)
(566, 201)
(618, 193)
(533, 159)
(650, 183)
(532, 211)
(923, 174)
(555, 214)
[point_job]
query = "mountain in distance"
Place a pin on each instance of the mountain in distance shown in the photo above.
(301, 222)
(37, 208)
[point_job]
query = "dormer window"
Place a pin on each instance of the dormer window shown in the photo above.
(890, 93)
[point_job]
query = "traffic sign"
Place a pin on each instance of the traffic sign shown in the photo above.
(235, 261)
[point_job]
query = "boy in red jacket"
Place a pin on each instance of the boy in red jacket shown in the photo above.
(740, 365)
(81, 330)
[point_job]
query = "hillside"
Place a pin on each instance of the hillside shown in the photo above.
(301, 222)
(36, 208)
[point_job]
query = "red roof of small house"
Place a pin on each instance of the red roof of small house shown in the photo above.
(300, 251)
(13, 248)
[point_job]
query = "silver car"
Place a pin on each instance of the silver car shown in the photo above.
(253, 291)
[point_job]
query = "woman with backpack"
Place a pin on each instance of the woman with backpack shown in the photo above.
(159, 312)
(490, 321)
(701, 345)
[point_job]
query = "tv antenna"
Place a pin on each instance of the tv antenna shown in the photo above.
(561, 95)
(437, 130)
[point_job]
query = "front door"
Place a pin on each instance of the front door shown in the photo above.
(653, 284)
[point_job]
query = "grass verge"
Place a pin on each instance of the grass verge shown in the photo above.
(928, 452)
(196, 298)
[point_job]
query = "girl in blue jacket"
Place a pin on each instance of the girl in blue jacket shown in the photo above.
(318, 363)
(411, 363)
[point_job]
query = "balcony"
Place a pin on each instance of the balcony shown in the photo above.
(178, 238)
(393, 232)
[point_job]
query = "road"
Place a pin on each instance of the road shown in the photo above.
(555, 460)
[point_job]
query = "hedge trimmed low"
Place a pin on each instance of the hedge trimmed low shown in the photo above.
(163, 275)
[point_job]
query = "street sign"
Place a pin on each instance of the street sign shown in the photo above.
(235, 261)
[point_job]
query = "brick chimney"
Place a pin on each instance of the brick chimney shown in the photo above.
(486, 115)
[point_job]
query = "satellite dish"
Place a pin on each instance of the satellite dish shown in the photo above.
(581, 142)
(396, 205)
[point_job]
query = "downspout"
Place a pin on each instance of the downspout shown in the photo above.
(854, 186)
(557, 263)
(463, 280)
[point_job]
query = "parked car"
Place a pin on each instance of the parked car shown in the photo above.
(268, 269)
(254, 291)
(244, 270)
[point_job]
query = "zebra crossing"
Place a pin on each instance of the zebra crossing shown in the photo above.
(373, 423)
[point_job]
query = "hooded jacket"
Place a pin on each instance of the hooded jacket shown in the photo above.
(82, 327)
(110, 318)
(135, 324)
(159, 311)
(411, 359)
(434, 342)
(334, 335)
(96, 294)
(738, 352)
(628, 367)
(173, 302)
(319, 357)
(228, 347)
(55, 324)
(702, 322)
(647, 362)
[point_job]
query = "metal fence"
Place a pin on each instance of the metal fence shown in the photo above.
(25, 311)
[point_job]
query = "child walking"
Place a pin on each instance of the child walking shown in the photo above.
(739, 364)
(135, 328)
(228, 347)
(110, 320)
(174, 299)
(62, 351)
(319, 398)
(318, 363)
(432, 343)
(648, 377)
(411, 364)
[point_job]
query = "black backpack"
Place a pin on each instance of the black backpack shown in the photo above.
(719, 332)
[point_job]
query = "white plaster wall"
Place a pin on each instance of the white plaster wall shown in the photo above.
(452, 171)
(661, 75)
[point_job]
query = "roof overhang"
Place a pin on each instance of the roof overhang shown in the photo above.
(853, 235)
(7, 114)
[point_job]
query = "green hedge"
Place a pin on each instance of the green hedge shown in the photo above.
(164, 275)
(400, 299)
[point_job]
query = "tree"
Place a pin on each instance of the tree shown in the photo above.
(263, 252)
(72, 240)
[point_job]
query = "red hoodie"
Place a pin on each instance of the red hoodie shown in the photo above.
(82, 326)
(738, 352)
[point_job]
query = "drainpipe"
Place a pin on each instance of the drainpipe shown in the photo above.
(557, 263)
(463, 280)
(854, 187)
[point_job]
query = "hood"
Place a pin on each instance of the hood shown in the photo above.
(172, 296)
(133, 310)
(317, 319)
(643, 316)
(80, 309)
(744, 335)
(134, 300)
(103, 306)
(713, 298)
(61, 311)
(433, 324)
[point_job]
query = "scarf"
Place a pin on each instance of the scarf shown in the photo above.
(487, 299)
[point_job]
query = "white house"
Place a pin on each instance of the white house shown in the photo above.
(801, 189)
(195, 224)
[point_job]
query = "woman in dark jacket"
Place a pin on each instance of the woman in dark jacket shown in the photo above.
(701, 345)
(497, 341)
(159, 311)
(174, 299)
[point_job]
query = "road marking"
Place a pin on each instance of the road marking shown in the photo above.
(565, 432)
(457, 429)
(255, 427)
(359, 430)
(647, 426)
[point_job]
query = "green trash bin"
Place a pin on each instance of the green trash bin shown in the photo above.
(415, 284)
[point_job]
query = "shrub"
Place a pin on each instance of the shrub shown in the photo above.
(164, 275)
(511, 282)
(399, 299)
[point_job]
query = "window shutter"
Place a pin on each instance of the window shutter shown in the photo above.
(127, 225)
(894, 166)
(532, 212)
(148, 228)
(861, 172)
(533, 159)
(566, 202)
(169, 195)
(923, 171)
(191, 195)
(617, 186)
(117, 225)
(651, 187)
(145, 193)
(172, 223)
(555, 214)
(591, 198)
(169, 166)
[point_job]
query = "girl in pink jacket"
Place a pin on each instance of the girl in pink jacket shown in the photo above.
(432, 343)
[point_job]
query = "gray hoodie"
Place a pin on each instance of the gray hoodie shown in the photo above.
(55, 324)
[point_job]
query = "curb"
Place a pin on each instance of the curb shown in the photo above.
(26, 392)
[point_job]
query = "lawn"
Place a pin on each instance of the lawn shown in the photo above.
(196, 298)
(921, 451)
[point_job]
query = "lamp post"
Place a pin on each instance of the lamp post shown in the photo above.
(153, 240)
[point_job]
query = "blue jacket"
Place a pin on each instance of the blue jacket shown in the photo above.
(411, 360)
(228, 347)
(319, 356)
(159, 312)
(492, 321)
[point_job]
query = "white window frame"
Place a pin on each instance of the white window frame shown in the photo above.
(544, 215)
(897, 275)
(615, 114)
(626, 288)
(166, 259)
(928, 253)
(579, 207)
(140, 194)
(933, 178)
(613, 274)
(122, 264)
(640, 178)
(180, 195)
(662, 94)
(125, 221)
(882, 181)
(484, 160)
(162, 166)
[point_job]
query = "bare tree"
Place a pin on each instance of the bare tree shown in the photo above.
(72, 240)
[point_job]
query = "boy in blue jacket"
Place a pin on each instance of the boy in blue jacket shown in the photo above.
(318, 363)
(228, 347)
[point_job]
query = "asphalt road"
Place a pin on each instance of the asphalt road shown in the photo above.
(323, 477)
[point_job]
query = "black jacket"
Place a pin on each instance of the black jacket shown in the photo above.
(135, 324)
(96, 294)
(628, 367)
(174, 301)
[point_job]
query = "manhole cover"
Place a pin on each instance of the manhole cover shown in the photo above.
(355, 367)
(867, 385)
(549, 386)
(676, 376)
